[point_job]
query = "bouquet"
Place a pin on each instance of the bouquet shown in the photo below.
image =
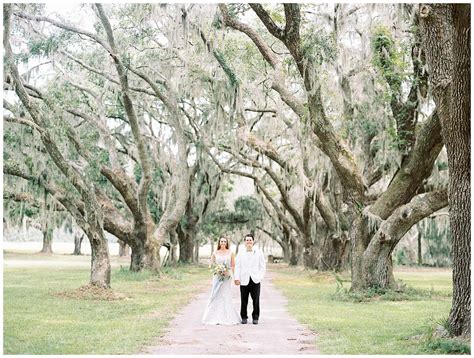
(221, 271)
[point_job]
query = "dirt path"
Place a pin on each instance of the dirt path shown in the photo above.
(276, 333)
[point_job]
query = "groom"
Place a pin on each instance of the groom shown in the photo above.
(249, 271)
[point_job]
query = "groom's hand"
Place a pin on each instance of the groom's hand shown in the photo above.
(237, 282)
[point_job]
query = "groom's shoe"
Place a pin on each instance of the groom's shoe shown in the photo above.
(244, 320)
(255, 321)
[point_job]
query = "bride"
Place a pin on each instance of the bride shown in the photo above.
(219, 309)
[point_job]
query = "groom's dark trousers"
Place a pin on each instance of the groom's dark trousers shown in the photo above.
(254, 290)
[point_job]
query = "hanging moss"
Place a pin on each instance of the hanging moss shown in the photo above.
(216, 22)
(42, 47)
(226, 68)
(387, 58)
(318, 47)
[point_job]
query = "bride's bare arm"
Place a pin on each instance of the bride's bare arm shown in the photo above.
(232, 262)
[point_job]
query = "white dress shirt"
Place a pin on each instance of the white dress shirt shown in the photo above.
(249, 265)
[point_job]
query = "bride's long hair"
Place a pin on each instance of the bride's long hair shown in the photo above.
(226, 243)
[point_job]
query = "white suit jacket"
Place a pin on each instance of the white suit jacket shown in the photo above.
(249, 264)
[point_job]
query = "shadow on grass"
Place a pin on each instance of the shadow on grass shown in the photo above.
(90, 292)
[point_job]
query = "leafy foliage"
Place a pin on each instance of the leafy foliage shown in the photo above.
(318, 46)
(46, 46)
(247, 212)
(387, 58)
(229, 72)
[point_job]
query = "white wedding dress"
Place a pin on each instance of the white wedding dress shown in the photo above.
(219, 308)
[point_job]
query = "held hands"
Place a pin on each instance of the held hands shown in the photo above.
(237, 282)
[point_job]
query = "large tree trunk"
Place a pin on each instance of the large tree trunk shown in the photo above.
(447, 38)
(100, 262)
(186, 248)
(310, 256)
(378, 266)
(47, 239)
(285, 244)
(138, 256)
(296, 252)
(100, 257)
(324, 251)
(78, 237)
(310, 250)
(186, 245)
(47, 228)
(285, 248)
(145, 255)
(360, 240)
(372, 260)
(458, 140)
(145, 248)
(333, 255)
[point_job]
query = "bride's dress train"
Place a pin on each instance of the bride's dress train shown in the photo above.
(219, 309)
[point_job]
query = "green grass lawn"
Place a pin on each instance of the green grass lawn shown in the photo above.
(375, 327)
(38, 322)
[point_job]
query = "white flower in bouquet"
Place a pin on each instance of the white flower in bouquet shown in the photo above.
(221, 271)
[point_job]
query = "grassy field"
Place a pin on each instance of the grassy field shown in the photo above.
(378, 326)
(37, 321)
